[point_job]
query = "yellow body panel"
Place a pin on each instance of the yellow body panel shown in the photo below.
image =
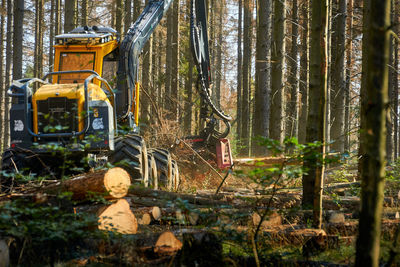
(70, 91)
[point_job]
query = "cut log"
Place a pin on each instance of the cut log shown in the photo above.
(167, 243)
(112, 183)
(146, 219)
(273, 219)
(118, 217)
(156, 213)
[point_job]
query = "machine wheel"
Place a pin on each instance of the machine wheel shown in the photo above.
(130, 153)
(164, 167)
(175, 175)
(153, 175)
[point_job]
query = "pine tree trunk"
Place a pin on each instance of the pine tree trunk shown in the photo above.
(57, 22)
(168, 60)
(69, 15)
(128, 15)
(146, 74)
(9, 58)
(39, 44)
(263, 47)
(84, 13)
(396, 81)
(338, 81)
(313, 160)
(304, 76)
(239, 73)
(375, 105)
(17, 40)
(175, 61)
(137, 7)
(118, 16)
(187, 122)
(51, 26)
(2, 87)
(218, 57)
(349, 52)
(276, 123)
(292, 107)
(245, 108)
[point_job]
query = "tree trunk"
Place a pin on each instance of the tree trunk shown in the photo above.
(84, 13)
(168, 60)
(239, 73)
(118, 16)
(313, 160)
(112, 183)
(146, 75)
(218, 56)
(175, 61)
(57, 22)
(276, 122)
(9, 58)
(137, 6)
(373, 114)
(128, 15)
(245, 108)
(187, 121)
(69, 15)
(304, 76)
(262, 109)
(396, 81)
(2, 87)
(291, 106)
(349, 52)
(338, 74)
(51, 26)
(17, 41)
(39, 28)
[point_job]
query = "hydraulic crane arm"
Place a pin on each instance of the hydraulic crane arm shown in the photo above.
(130, 49)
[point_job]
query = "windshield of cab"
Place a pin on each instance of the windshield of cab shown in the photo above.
(75, 61)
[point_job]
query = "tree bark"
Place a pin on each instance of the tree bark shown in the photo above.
(39, 28)
(313, 160)
(128, 15)
(304, 74)
(276, 123)
(349, 52)
(263, 48)
(2, 87)
(338, 75)
(245, 108)
(375, 104)
(9, 58)
(396, 21)
(17, 40)
(218, 56)
(84, 13)
(175, 61)
(239, 73)
(112, 183)
(118, 16)
(69, 15)
(291, 106)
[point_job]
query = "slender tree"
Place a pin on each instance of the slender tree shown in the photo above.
(245, 108)
(338, 81)
(118, 15)
(239, 73)
(304, 77)
(263, 47)
(276, 122)
(146, 74)
(84, 12)
(349, 52)
(69, 15)
(313, 160)
(292, 107)
(17, 40)
(373, 114)
(175, 60)
(128, 15)
(2, 87)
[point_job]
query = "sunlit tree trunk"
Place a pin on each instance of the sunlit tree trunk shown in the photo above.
(239, 73)
(349, 52)
(276, 122)
(69, 15)
(262, 93)
(313, 160)
(373, 132)
(304, 74)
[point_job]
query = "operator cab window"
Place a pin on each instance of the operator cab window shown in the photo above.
(75, 61)
(110, 67)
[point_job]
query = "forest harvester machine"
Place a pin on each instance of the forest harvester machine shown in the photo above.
(78, 110)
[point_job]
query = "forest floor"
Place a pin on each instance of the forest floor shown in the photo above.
(246, 221)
